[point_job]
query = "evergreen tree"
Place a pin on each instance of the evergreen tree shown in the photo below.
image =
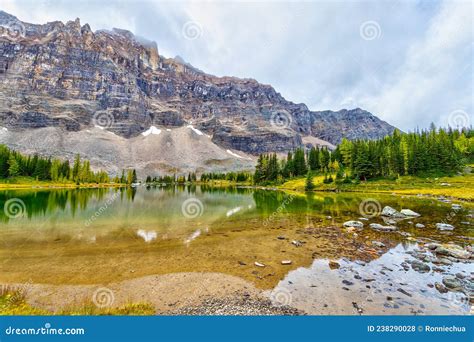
(309, 185)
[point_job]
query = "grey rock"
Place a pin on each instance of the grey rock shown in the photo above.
(420, 266)
(409, 212)
(377, 226)
(444, 226)
(355, 224)
(419, 225)
(452, 283)
(454, 251)
(391, 212)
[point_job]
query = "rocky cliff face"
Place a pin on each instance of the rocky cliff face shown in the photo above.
(66, 76)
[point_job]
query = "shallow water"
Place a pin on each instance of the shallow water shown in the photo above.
(93, 236)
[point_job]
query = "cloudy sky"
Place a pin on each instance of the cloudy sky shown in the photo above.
(409, 62)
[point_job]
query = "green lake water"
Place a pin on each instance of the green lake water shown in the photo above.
(97, 236)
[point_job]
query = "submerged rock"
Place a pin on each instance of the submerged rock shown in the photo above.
(286, 262)
(441, 288)
(419, 225)
(333, 264)
(378, 244)
(382, 228)
(444, 226)
(432, 245)
(443, 261)
(420, 266)
(355, 224)
(409, 212)
(258, 264)
(452, 283)
(297, 243)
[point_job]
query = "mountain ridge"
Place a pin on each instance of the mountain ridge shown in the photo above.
(68, 77)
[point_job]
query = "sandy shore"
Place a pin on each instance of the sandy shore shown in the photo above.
(170, 294)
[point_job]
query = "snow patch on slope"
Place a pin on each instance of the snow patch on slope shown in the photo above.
(151, 130)
(198, 132)
(236, 155)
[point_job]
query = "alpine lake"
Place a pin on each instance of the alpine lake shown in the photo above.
(294, 245)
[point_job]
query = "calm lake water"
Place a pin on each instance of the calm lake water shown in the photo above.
(97, 236)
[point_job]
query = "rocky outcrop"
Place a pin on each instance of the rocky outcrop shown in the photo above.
(66, 76)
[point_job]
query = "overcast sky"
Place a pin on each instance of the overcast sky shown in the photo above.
(408, 62)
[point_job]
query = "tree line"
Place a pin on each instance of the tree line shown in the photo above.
(15, 164)
(204, 178)
(421, 153)
(426, 152)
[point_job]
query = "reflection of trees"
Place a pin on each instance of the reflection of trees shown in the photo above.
(41, 202)
(334, 205)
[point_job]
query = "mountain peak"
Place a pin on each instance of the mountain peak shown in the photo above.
(64, 76)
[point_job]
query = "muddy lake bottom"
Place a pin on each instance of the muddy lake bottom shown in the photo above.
(203, 250)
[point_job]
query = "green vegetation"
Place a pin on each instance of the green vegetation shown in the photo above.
(229, 177)
(426, 153)
(460, 186)
(14, 164)
(432, 152)
(309, 186)
(13, 302)
(19, 169)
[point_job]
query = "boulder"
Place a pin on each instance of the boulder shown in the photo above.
(355, 224)
(444, 226)
(454, 251)
(409, 212)
(390, 212)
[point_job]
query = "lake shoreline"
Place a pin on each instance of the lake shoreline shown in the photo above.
(186, 293)
(433, 193)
